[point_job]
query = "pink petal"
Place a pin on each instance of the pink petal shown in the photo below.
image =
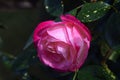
(72, 19)
(39, 28)
(82, 55)
(58, 32)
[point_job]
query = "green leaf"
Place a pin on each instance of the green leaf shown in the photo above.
(112, 31)
(115, 55)
(116, 1)
(93, 11)
(54, 7)
(104, 48)
(95, 72)
(6, 59)
(73, 12)
(24, 60)
(28, 43)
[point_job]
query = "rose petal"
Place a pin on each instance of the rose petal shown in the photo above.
(39, 28)
(62, 45)
(58, 32)
(69, 18)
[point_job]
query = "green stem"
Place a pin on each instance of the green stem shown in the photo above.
(75, 75)
(114, 9)
(115, 1)
(84, 1)
(109, 52)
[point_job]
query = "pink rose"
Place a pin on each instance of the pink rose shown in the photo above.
(62, 45)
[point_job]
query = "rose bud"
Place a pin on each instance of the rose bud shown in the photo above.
(62, 45)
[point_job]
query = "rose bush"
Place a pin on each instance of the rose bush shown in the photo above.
(62, 45)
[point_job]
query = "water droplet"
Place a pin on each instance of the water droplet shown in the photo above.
(95, 11)
(62, 4)
(33, 57)
(107, 7)
(25, 74)
(104, 9)
(46, 7)
(87, 15)
(89, 20)
(82, 20)
(101, 2)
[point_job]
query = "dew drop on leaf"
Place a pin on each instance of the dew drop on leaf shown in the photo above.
(46, 7)
(87, 15)
(95, 11)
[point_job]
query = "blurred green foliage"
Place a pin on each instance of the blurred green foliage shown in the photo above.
(95, 72)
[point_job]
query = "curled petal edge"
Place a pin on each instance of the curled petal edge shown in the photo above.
(40, 27)
(69, 18)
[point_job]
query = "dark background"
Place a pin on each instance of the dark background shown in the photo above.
(19, 21)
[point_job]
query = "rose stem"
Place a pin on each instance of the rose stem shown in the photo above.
(108, 53)
(75, 75)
